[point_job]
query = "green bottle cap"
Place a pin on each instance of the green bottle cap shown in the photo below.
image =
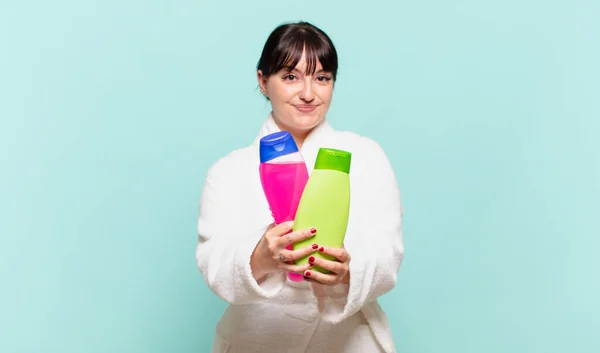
(329, 158)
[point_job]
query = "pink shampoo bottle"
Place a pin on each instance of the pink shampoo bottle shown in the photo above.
(283, 175)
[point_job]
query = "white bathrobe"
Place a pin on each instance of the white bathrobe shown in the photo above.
(278, 315)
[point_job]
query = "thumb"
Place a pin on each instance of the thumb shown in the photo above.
(280, 229)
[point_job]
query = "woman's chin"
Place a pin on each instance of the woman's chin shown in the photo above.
(306, 122)
(300, 122)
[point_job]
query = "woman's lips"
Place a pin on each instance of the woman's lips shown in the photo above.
(306, 108)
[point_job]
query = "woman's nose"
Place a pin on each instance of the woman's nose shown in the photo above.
(307, 93)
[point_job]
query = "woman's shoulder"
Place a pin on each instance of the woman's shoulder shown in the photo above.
(368, 158)
(359, 144)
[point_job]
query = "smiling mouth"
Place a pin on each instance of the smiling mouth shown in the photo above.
(306, 108)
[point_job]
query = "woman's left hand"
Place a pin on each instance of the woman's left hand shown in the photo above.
(339, 269)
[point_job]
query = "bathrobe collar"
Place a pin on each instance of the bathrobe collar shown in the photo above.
(321, 136)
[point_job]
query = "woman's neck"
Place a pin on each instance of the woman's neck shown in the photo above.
(298, 136)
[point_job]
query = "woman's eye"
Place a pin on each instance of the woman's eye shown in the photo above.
(289, 77)
(323, 78)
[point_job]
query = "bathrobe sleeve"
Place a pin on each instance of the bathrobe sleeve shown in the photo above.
(373, 239)
(225, 245)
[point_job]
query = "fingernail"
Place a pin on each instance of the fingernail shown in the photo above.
(307, 273)
(311, 259)
(321, 249)
(313, 230)
(315, 246)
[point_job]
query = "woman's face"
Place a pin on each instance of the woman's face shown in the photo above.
(299, 102)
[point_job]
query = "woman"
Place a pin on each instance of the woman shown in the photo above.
(242, 255)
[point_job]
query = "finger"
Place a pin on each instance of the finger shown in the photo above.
(280, 229)
(287, 256)
(308, 279)
(300, 269)
(322, 277)
(339, 268)
(291, 255)
(339, 253)
(296, 236)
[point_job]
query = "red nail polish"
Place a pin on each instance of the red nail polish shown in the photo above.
(315, 246)
(313, 230)
(321, 249)
(307, 274)
(311, 259)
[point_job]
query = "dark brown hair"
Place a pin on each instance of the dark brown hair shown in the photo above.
(287, 42)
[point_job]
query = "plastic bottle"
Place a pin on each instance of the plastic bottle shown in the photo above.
(325, 203)
(283, 175)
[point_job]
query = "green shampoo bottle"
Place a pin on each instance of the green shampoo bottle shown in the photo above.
(325, 203)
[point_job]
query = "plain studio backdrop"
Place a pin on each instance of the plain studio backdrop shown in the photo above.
(112, 111)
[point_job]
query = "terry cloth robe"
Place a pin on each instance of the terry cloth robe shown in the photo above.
(278, 315)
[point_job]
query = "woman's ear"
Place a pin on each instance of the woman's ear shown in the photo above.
(262, 82)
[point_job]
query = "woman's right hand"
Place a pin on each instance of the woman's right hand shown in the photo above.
(271, 255)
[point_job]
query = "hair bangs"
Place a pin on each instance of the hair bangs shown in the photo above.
(285, 48)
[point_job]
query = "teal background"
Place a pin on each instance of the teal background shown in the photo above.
(112, 111)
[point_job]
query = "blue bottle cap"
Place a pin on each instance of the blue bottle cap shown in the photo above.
(276, 145)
